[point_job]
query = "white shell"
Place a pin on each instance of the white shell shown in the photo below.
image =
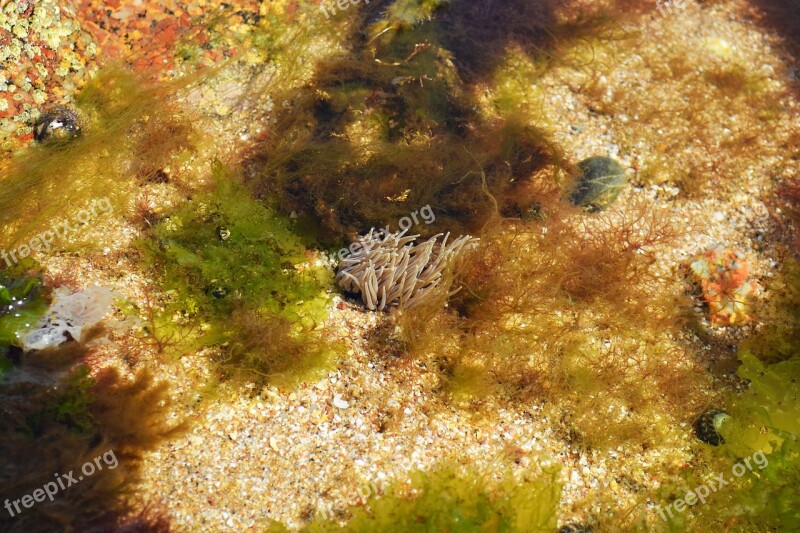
(339, 402)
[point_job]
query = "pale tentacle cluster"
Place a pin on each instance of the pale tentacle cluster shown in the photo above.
(393, 270)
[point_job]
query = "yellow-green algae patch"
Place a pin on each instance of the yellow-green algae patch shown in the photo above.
(238, 275)
(129, 131)
(452, 498)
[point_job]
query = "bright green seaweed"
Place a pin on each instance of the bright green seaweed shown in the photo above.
(22, 301)
(238, 276)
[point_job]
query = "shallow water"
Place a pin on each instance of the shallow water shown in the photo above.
(400, 265)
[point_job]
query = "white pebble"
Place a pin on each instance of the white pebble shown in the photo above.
(339, 402)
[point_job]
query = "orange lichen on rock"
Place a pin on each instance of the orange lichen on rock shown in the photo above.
(723, 277)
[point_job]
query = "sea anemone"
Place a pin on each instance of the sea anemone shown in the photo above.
(393, 270)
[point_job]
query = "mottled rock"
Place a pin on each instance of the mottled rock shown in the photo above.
(600, 183)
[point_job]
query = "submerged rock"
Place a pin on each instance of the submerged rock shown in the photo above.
(599, 185)
(706, 428)
(59, 123)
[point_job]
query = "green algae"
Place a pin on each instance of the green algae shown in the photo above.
(764, 434)
(450, 499)
(23, 300)
(239, 277)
